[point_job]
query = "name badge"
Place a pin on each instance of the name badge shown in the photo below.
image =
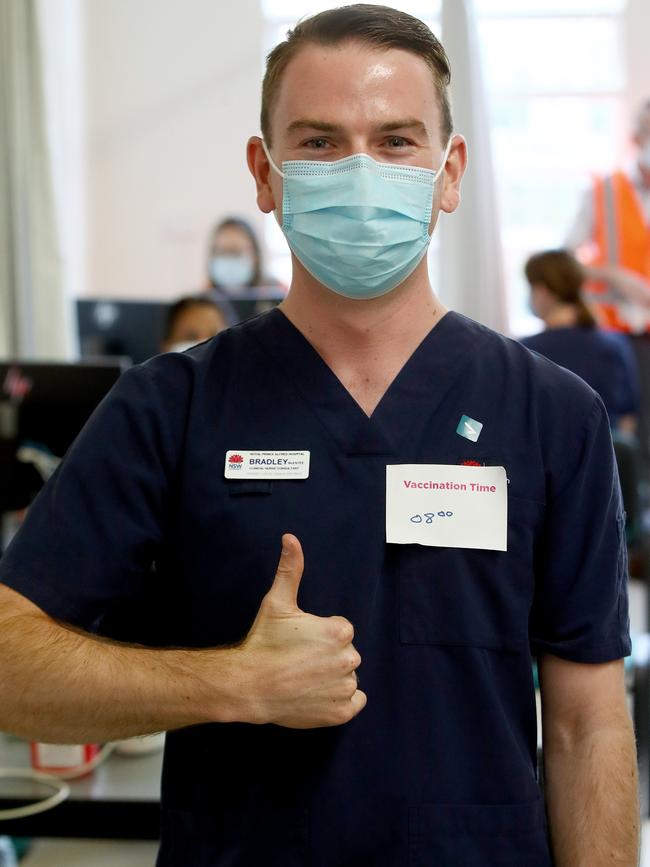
(447, 506)
(242, 464)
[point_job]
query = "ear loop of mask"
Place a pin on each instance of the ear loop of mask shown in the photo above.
(445, 157)
(270, 159)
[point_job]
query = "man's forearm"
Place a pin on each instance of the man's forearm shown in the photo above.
(60, 685)
(592, 799)
(293, 669)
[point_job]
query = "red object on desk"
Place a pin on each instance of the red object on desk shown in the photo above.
(60, 758)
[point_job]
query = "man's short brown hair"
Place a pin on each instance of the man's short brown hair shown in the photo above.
(380, 26)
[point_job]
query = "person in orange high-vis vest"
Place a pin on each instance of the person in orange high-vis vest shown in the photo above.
(611, 235)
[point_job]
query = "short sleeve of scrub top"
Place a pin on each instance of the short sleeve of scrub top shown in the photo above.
(89, 540)
(576, 614)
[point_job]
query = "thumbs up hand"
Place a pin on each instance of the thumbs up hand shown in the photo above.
(300, 667)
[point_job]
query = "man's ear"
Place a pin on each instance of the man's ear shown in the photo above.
(453, 174)
(260, 169)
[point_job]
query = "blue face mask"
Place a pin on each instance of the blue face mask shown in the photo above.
(358, 226)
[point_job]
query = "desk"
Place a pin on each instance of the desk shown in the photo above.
(119, 799)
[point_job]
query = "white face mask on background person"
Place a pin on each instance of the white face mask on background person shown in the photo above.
(231, 271)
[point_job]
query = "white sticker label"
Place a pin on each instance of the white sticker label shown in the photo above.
(59, 755)
(447, 506)
(266, 465)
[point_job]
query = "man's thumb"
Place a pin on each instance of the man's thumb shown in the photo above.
(284, 590)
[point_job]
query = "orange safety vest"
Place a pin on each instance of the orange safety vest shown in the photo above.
(621, 237)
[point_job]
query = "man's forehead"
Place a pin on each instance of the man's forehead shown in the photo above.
(379, 63)
(321, 82)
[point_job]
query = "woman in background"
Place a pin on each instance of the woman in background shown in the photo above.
(236, 277)
(573, 340)
(192, 320)
(234, 257)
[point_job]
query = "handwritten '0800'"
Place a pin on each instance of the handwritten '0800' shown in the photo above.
(428, 517)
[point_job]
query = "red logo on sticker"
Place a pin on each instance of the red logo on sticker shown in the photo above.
(235, 459)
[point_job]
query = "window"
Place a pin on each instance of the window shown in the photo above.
(554, 75)
(555, 80)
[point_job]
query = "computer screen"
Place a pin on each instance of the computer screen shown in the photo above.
(49, 403)
(43, 407)
(134, 329)
(257, 300)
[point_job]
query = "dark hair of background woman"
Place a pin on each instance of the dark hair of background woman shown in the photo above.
(563, 276)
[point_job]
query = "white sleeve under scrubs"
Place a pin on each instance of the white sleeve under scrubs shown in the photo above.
(139, 536)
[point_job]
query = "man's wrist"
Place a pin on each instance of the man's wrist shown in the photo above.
(227, 686)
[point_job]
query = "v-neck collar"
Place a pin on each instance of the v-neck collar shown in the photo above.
(407, 404)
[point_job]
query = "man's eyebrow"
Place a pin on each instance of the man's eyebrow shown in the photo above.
(405, 123)
(308, 123)
(322, 126)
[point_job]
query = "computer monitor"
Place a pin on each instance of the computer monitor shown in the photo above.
(43, 407)
(49, 403)
(108, 326)
(258, 300)
(136, 329)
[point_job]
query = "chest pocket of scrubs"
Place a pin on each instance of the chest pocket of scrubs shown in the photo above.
(469, 597)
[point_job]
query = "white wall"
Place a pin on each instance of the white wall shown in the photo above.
(172, 95)
(63, 81)
(636, 33)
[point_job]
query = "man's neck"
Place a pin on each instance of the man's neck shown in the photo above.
(338, 326)
(364, 342)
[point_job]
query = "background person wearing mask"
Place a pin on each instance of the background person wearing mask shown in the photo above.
(572, 339)
(192, 320)
(611, 235)
(235, 260)
(279, 754)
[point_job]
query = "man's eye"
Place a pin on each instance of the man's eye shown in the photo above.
(316, 144)
(397, 141)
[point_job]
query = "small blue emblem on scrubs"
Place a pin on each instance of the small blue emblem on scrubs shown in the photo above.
(469, 428)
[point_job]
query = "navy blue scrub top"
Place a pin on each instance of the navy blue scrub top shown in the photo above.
(139, 536)
(605, 360)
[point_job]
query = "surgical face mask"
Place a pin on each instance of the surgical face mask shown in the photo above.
(232, 272)
(358, 226)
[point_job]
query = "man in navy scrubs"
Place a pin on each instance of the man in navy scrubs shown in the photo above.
(447, 492)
